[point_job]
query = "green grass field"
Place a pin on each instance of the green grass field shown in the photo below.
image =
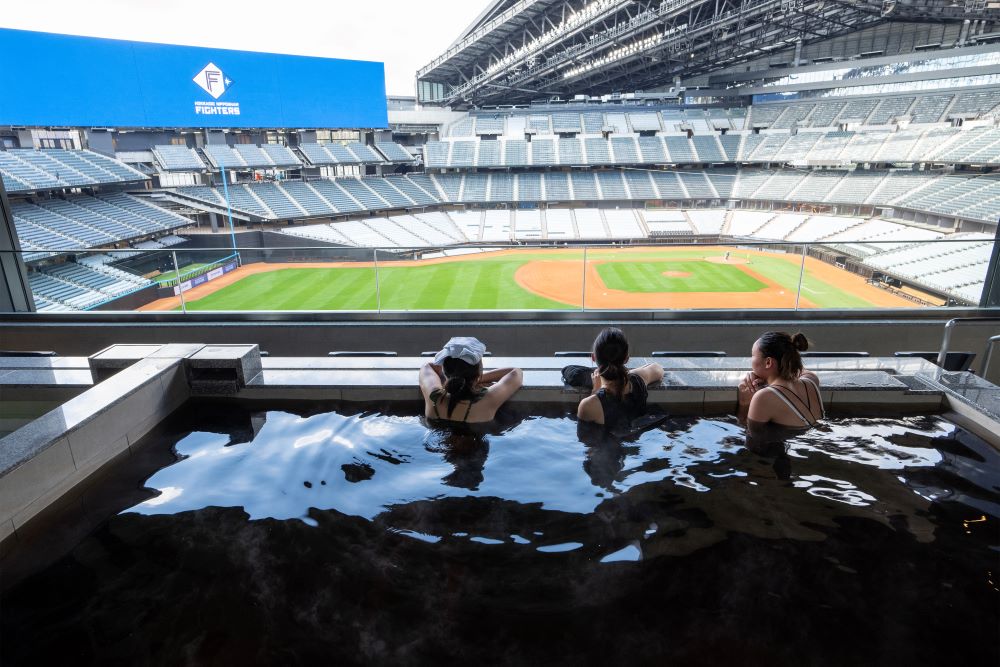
(648, 277)
(488, 283)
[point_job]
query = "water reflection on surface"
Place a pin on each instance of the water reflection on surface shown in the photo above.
(367, 464)
(360, 537)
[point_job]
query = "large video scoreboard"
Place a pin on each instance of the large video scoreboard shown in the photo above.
(62, 80)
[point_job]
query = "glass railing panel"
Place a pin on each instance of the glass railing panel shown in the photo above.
(486, 277)
(843, 272)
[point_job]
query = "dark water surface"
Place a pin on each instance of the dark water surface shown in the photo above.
(239, 536)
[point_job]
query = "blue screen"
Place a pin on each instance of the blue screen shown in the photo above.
(48, 79)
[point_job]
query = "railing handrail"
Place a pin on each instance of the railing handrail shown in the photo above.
(949, 327)
(988, 356)
(554, 243)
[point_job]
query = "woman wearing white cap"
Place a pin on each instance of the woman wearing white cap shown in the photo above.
(456, 389)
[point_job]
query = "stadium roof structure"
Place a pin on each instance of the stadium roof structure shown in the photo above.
(523, 50)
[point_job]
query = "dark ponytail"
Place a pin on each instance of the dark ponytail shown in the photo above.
(611, 353)
(784, 348)
(460, 381)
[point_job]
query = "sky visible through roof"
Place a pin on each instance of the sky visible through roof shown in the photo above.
(404, 34)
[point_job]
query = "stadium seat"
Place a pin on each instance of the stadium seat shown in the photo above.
(953, 361)
(688, 353)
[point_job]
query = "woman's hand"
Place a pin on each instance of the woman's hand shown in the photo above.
(596, 379)
(748, 387)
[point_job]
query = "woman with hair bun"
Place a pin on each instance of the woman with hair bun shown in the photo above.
(619, 394)
(778, 389)
(456, 389)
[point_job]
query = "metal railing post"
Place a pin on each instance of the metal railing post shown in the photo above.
(180, 290)
(949, 327)
(802, 272)
(988, 356)
(378, 287)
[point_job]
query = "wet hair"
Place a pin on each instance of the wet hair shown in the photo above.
(784, 348)
(611, 353)
(460, 381)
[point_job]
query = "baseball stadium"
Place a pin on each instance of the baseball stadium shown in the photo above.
(228, 274)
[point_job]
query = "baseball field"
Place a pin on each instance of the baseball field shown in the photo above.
(543, 279)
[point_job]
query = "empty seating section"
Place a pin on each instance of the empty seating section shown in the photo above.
(665, 223)
(224, 157)
(393, 152)
(680, 149)
(668, 185)
(277, 200)
(489, 154)
(890, 108)
(651, 150)
(557, 187)
(623, 224)
(780, 226)
(489, 125)
(724, 183)
(363, 154)
(528, 225)
(730, 146)
(417, 194)
(177, 158)
(515, 152)
(474, 188)
(707, 222)
(383, 188)
(584, 188)
(697, 185)
(858, 111)
(540, 124)
(496, 226)
(463, 154)
(644, 122)
(87, 222)
(824, 114)
(929, 108)
(590, 223)
(640, 185)
(336, 195)
(280, 155)
(362, 194)
(598, 151)
(253, 156)
(28, 169)
(625, 150)
(542, 152)
(611, 184)
(567, 122)
(764, 115)
(462, 128)
(593, 122)
(306, 197)
(793, 115)
(529, 187)
(570, 152)
(708, 148)
(559, 224)
(980, 103)
(746, 223)
(435, 154)
(501, 188)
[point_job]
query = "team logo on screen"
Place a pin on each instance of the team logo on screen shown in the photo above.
(212, 80)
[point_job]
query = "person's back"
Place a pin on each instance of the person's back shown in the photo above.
(619, 395)
(778, 389)
(455, 389)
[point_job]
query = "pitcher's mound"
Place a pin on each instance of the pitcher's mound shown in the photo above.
(677, 274)
(733, 259)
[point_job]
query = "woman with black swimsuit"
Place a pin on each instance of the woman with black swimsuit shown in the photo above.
(619, 394)
(456, 377)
